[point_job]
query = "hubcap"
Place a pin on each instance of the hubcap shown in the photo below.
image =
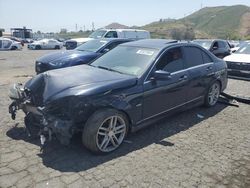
(214, 94)
(111, 133)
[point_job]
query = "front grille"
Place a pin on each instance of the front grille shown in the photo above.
(70, 45)
(238, 66)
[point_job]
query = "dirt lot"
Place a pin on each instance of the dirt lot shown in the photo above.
(182, 151)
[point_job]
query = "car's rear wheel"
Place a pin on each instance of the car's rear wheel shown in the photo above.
(13, 48)
(38, 47)
(57, 47)
(213, 94)
(105, 130)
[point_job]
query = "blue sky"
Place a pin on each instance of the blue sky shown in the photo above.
(51, 15)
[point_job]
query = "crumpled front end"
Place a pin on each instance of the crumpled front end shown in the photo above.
(48, 122)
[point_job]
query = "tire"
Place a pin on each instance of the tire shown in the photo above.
(98, 135)
(14, 48)
(38, 47)
(57, 47)
(213, 94)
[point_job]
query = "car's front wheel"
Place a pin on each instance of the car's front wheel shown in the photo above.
(105, 130)
(213, 94)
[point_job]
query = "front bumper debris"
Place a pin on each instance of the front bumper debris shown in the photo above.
(49, 125)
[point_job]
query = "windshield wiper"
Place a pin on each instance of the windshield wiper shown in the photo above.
(109, 69)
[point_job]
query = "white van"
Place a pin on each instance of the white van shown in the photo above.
(109, 33)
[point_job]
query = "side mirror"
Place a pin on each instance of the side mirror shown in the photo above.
(232, 45)
(162, 75)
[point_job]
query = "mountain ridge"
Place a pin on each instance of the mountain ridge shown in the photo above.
(209, 22)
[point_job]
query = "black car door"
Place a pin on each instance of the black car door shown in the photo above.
(162, 95)
(201, 70)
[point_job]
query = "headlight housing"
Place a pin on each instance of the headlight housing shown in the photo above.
(58, 63)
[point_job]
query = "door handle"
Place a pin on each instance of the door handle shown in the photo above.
(184, 77)
(209, 68)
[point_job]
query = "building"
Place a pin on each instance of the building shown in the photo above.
(21, 32)
(1, 32)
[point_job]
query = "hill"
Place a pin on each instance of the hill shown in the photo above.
(116, 26)
(209, 22)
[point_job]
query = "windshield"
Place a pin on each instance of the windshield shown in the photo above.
(97, 34)
(127, 60)
(244, 49)
(204, 43)
(91, 46)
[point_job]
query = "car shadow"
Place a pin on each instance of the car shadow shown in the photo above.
(75, 157)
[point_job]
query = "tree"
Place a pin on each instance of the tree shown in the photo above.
(176, 34)
(189, 34)
(186, 33)
(63, 31)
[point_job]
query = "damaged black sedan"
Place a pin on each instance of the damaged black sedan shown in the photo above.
(126, 89)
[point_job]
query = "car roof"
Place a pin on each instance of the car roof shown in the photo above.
(4, 38)
(151, 43)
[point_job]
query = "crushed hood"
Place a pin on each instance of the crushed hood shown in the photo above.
(78, 80)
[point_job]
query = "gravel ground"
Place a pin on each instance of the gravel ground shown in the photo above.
(181, 151)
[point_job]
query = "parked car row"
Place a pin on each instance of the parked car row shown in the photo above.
(130, 85)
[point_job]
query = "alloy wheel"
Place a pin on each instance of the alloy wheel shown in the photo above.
(111, 133)
(214, 93)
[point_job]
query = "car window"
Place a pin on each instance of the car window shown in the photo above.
(127, 60)
(245, 49)
(221, 44)
(171, 61)
(111, 34)
(6, 43)
(193, 56)
(206, 57)
(92, 45)
(97, 34)
(215, 45)
(111, 46)
(227, 45)
(204, 43)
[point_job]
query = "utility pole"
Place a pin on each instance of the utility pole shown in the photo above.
(93, 26)
(76, 27)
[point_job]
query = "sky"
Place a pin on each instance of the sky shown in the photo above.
(52, 15)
